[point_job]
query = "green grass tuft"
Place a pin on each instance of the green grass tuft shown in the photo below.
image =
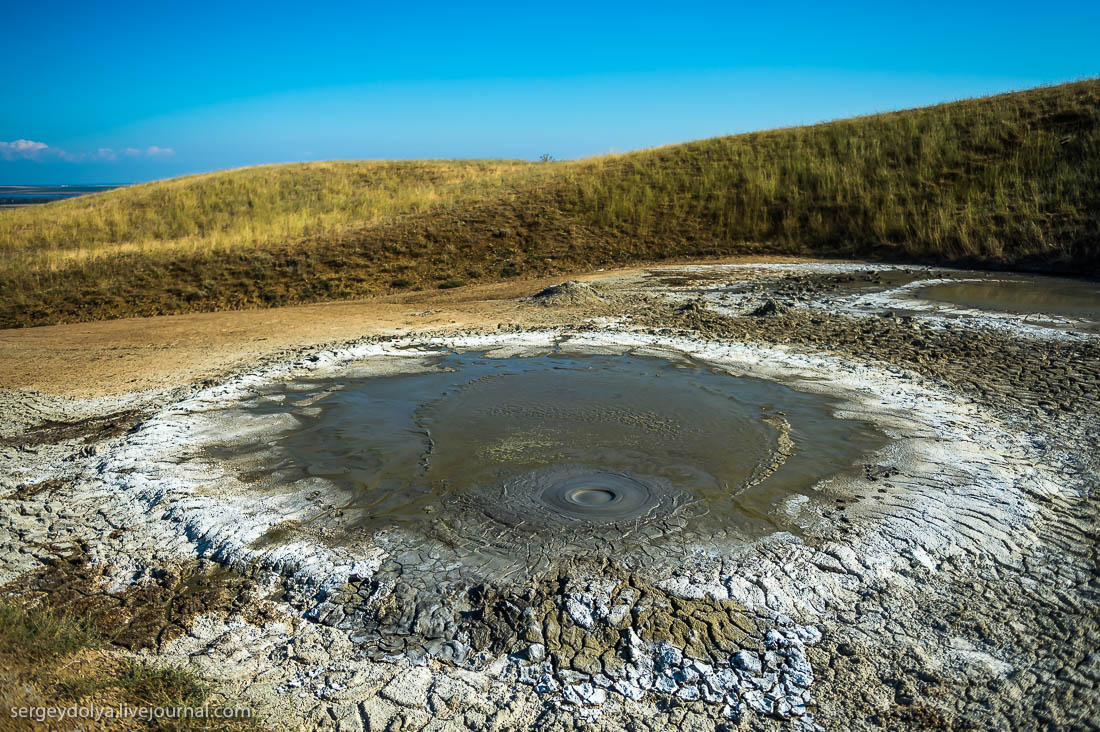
(39, 635)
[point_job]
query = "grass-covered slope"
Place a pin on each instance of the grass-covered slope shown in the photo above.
(1006, 181)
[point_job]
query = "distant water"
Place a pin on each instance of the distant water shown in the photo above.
(15, 196)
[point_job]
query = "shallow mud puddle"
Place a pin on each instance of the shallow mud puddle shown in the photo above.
(475, 447)
(1038, 295)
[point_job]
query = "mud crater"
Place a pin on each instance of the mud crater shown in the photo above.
(493, 531)
(518, 461)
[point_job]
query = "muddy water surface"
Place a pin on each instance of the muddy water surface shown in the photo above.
(590, 450)
(1068, 298)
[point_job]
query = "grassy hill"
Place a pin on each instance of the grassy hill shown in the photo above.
(1005, 181)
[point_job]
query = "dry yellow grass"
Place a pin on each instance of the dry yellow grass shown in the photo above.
(251, 207)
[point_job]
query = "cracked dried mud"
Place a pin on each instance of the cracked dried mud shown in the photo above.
(729, 496)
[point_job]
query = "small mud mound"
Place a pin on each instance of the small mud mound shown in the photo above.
(568, 294)
(694, 316)
(768, 308)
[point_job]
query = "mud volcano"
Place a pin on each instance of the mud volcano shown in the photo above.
(519, 461)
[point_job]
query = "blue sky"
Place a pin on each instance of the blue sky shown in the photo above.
(129, 91)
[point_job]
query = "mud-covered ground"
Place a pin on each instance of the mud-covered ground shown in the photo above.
(948, 579)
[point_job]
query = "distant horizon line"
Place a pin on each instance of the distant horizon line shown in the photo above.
(63, 185)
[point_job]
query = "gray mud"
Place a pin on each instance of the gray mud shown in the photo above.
(483, 476)
(567, 452)
(1039, 295)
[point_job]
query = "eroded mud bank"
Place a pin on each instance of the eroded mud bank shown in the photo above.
(942, 572)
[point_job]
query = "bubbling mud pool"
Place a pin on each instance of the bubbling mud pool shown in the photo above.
(521, 460)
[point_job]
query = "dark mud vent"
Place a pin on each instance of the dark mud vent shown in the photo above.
(568, 294)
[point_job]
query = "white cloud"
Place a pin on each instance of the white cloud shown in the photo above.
(31, 150)
(21, 149)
